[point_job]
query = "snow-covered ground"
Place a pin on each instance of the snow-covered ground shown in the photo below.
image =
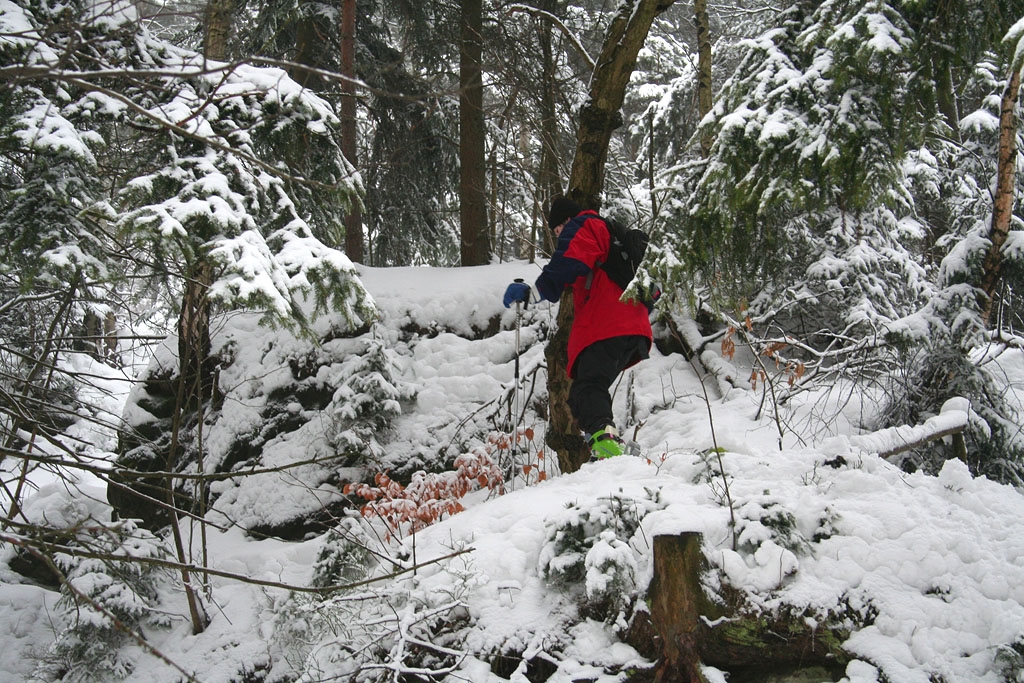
(824, 525)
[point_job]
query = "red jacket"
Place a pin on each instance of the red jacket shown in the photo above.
(583, 242)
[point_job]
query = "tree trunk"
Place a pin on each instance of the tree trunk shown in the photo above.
(476, 248)
(194, 335)
(677, 605)
(217, 29)
(1002, 211)
(195, 377)
(195, 374)
(309, 51)
(349, 131)
(548, 180)
(945, 92)
(563, 434)
(704, 92)
(599, 117)
(751, 645)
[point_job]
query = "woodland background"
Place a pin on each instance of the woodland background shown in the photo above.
(831, 190)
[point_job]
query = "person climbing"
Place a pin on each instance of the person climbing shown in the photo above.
(607, 335)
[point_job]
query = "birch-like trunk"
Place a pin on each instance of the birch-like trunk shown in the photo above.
(1002, 210)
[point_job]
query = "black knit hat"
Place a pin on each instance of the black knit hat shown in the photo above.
(562, 209)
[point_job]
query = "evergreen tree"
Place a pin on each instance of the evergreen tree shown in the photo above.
(129, 160)
(815, 121)
(403, 53)
(53, 257)
(798, 218)
(103, 599)
(412, 166)
(408, 55)
(835, 184)
(954, 345)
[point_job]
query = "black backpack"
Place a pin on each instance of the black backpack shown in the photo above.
(628, 246)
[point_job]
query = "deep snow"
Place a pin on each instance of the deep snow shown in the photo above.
(938, 560)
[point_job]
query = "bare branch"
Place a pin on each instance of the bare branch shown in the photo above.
(35, 545)
(560, 25)
(131, 633)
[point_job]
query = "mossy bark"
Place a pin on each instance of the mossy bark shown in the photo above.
(678, 602)
(563, 435)
(695, 630)
(598, 118)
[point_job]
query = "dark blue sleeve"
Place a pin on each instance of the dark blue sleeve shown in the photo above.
(561, 270)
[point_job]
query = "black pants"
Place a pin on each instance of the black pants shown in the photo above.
(596, 368)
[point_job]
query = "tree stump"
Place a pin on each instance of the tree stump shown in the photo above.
(677, 603)
(695, 630)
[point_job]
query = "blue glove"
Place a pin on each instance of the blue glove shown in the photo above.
(517, 292)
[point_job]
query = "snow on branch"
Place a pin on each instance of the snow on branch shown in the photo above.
(572, 38)
(1015, 37)
(952, 419)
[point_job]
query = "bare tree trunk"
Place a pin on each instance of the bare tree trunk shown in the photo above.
(599, 117)
(217, 29)
(550, 185)
(195, 376)
(309, 46)
(109, 348)
(945, 92)
(354, 219)
(704, 92)
(1002, 211)
(194, 334)
(194, 382)
(476, 248)
(563, 434)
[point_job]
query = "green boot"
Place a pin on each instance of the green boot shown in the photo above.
(605, 443)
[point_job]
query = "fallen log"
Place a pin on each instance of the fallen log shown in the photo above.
(894, 440)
